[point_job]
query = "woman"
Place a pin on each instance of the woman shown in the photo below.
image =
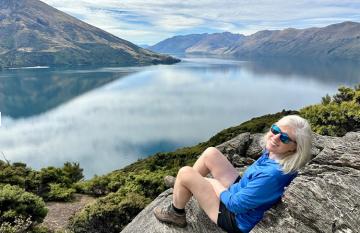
(234, 204)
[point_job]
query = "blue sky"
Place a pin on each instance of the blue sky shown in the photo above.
(148, 22)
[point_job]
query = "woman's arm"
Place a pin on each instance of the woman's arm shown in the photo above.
(262, 190)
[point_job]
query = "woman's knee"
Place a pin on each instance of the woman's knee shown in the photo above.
(185, 173)
(211, 154)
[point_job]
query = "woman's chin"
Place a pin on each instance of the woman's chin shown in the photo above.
(270, 147)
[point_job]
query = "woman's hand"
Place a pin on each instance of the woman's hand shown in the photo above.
(217, 186)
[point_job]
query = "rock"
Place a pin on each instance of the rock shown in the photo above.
(255, 149)
(237, 145)
(145, 222)
(324, 197)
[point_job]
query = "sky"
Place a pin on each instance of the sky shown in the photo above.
(149, 22)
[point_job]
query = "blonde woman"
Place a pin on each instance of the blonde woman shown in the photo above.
(237, 204)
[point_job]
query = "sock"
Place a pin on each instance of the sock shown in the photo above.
(177, 210)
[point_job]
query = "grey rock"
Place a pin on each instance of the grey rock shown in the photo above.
(324, 197)
(239, 161)
(235, 146)
(255, 148)
(146, 222)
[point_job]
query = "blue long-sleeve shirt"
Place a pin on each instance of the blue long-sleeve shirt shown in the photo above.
(260, 187)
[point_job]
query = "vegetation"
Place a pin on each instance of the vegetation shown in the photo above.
(21, 225)
(110, 213)
(336, 115)
(19, 210)
(23, 191)
(52, 184)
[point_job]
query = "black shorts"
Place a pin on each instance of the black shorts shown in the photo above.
(226, 219)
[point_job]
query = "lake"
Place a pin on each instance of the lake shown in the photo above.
(106, 118)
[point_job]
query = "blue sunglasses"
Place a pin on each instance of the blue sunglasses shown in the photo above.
(284, 137)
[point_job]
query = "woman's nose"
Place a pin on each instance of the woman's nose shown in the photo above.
(276, 137)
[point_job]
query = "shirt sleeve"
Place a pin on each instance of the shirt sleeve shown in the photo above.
(262, 189)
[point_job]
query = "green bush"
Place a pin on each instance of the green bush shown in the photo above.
(108, 214)
(60, 193)
(337, 116)
(39, 182)
(56, 184)
(20, 225)
(73, 171)
(15, 202)
(13, 174)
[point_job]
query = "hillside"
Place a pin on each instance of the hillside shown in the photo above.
(336, 41)
(36, 34)
(205, 43)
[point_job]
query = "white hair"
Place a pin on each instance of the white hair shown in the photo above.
(303, 138)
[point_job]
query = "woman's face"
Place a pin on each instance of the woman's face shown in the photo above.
(276, 146)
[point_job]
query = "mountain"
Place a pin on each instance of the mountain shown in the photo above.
(177, 44)
(336, 41)
(33, 33)
(197, 43)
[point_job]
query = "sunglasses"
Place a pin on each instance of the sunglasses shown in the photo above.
(284, 137)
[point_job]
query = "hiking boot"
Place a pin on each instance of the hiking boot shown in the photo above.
(168, 214)
(169, 181)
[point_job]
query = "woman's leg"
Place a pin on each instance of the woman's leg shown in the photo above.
(214, 162)
(189, 182)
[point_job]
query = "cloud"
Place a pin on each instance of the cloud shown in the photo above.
(165, 18)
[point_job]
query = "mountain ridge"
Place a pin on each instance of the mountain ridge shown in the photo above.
(36, 34)
(335, 41)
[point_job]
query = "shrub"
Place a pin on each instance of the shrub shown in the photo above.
(20, 225)
(326, 100)
(337, 117)
(73, 171)
(13, 174)
(108, 214)
(60, 193)
(15, 202)
(344, 94)
(43, 182)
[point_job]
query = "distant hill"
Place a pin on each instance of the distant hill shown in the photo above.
(198, 43)
(336, 41)
(33, 33)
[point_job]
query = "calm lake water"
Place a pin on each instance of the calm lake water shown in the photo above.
(107, 118)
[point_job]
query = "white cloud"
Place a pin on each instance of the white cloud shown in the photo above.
(165, 18)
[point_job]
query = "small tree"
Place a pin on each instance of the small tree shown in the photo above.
(344, 94)
(73, 171)
(326, 99)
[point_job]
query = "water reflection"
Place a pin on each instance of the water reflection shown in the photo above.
(156, 109)
(335, 72)
(338, 72)
(27, 92)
